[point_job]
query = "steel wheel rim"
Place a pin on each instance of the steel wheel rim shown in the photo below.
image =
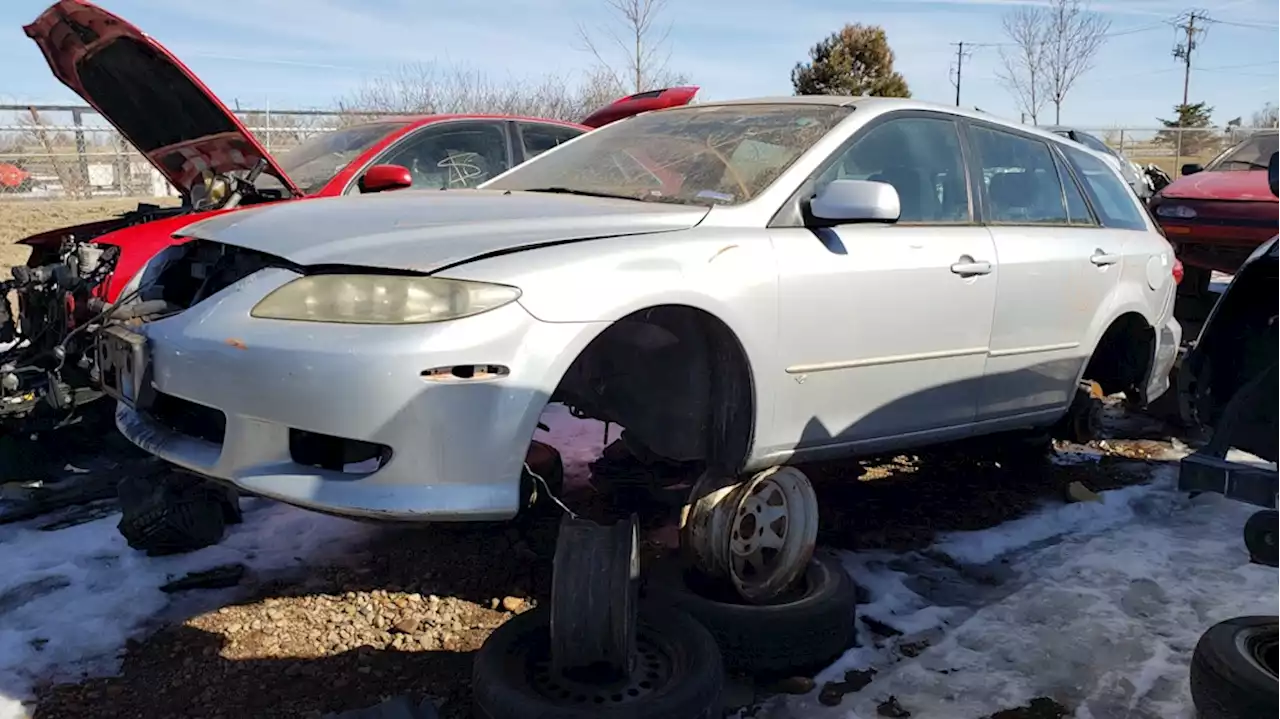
(771, 533)
(653, 669)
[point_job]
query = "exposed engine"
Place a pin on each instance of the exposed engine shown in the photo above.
(46, 348)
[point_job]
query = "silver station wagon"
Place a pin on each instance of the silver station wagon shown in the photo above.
(748, 284)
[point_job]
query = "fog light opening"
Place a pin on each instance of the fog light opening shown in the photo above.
(465, 373)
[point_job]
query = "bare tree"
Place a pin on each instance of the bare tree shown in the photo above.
(1268, 116)
(640, 43)
(1074, 36)
(427, 88)
(1024, 63)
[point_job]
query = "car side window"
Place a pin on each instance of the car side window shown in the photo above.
(1113, 199)
(537, 138)
(1077, 208)
(454, 155)
(921, 158)
(1022, 182)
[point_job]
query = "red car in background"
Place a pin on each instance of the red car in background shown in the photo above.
(14, 178)
(1216, 216)
(217, 165)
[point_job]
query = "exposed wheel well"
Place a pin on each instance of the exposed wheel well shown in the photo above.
(1120, 361)
(676, 378)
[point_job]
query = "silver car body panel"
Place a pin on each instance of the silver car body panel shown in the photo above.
(875, 349)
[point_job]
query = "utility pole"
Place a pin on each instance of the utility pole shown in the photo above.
(1183, 52)
(959, 69)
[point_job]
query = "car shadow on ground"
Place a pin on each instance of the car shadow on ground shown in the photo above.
(406, 616)
(190, 676)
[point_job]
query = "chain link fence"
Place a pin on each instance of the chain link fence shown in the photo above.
(1171, 148)
(68, 152)
(71, 153)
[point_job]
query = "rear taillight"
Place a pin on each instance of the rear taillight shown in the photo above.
(1177, 271)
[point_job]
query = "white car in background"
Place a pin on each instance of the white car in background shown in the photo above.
(1132, 173)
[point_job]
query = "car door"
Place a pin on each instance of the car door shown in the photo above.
(535, 138)
(884, 327)
(452, 154)
(1057, 267)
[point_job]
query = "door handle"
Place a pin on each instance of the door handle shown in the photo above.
(968, 267)
(1103, 259)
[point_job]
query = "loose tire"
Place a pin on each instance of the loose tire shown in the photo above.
(801, 631)
(1260, 538)
(1233, 670)
(678, 674)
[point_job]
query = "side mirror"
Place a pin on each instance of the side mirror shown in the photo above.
(1273, 172)
(381, 178)
(856, 201)
(1191, 168)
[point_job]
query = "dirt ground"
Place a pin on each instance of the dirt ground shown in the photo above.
(407, 616)
(23, 218)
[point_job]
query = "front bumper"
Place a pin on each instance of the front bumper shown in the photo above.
(456, 444)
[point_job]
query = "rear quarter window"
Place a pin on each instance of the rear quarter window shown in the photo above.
(1114, 201)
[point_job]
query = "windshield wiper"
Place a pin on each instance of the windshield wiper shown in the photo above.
(583, 193)
(1250, 163)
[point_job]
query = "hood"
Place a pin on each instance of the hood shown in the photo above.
(1221, 185)
(428, 230)
(641, 102)
(155, 102)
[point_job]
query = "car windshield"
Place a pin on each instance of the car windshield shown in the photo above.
(1252, 154)
(318, 159)
(707, 155)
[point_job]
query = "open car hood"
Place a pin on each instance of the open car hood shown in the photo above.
(641, 102)
(155, 102)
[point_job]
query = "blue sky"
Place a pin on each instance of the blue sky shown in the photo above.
(306, 53)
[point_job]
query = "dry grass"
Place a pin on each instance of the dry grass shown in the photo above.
(23, 218)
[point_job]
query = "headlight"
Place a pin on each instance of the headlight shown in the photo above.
(381, 299)
(1178, 211)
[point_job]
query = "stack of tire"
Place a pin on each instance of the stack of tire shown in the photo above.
(689, 634)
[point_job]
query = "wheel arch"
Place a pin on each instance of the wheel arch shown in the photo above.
(676, 374)
(1122, 354)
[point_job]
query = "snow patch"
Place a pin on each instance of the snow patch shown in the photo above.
(70, 599)
(1097, 605)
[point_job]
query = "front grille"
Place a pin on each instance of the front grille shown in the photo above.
(186, 417)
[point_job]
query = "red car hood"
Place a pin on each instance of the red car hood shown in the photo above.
(155, 102)
(1251, 185)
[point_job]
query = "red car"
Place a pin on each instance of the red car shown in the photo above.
(217, 165)
(13, 178)
(1216, 216)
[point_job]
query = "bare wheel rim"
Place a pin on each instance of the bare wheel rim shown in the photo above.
(772, 533)
(704, 524)
(653, 669)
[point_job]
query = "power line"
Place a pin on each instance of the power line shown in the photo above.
(1250, 25)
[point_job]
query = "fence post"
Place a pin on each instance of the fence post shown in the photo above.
(1122, 141)
(78, 120)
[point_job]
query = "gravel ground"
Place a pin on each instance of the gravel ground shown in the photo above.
(406, 614)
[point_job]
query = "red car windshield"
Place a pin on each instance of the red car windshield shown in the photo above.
(318, 159)
(1252, 154)
(709, 155)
